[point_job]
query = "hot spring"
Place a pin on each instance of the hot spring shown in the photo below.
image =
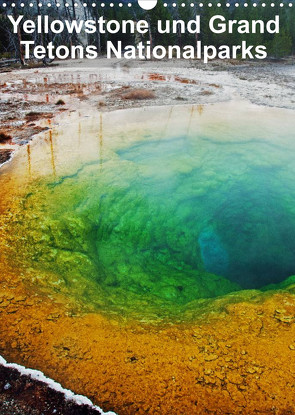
(159, 206)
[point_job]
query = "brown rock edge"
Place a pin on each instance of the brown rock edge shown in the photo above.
(22, 395)
(5, 155)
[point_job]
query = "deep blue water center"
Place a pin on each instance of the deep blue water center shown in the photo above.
(227, 207)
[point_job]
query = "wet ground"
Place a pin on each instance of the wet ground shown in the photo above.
(30, 98)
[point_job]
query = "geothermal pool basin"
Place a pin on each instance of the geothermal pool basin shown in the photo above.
(151, 217)
(174, 204)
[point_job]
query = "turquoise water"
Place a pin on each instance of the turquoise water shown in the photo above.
(240, 227)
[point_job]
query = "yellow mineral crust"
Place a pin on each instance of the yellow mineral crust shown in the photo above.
(238, 361)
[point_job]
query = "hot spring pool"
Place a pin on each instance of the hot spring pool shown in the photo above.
(155, 205)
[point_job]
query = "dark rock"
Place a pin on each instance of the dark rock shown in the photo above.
(5, 155)
(22, 395)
